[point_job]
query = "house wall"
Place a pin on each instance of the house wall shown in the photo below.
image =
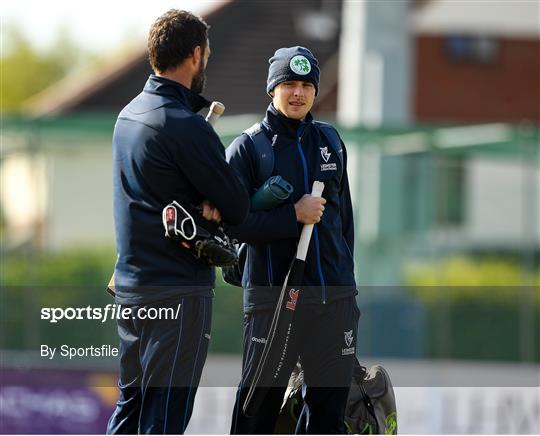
(506, 88)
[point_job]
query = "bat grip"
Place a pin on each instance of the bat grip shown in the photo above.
(305, 236)
(216, 110)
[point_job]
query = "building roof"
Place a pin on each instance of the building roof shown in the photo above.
(508, 18)
(245, 33)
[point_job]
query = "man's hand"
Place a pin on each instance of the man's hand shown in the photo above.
(210, 212)
(309, 210)
(203, 237)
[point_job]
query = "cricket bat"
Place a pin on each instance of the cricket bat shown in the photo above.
(216, 110)
(275, 349)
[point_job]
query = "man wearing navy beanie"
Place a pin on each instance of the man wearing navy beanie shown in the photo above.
(323, 336)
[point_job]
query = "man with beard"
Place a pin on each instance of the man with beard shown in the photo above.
(163, 151)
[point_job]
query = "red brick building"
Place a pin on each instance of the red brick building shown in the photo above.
(449, 85)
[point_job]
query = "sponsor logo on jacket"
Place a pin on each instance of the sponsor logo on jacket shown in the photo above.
(325, 154)
(293, 295)
(348, 336)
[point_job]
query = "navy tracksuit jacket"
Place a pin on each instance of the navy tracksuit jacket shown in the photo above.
(272, 235)
(164, 151)
(326, 318)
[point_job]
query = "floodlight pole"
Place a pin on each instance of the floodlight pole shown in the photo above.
(375, 62)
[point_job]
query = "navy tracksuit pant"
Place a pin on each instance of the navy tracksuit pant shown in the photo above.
(324, 339)
(161, 363)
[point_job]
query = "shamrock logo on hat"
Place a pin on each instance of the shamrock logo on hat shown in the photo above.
(300, 65)
(303, 64)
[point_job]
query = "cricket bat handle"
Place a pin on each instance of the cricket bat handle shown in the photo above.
(305, 236)
(216, 110)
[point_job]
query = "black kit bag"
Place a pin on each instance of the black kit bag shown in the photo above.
(371, 406)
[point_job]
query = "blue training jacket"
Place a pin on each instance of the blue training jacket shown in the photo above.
(301, 155)
(164, 151)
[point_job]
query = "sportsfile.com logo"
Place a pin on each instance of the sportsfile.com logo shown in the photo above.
(111, 312)
(348, 341)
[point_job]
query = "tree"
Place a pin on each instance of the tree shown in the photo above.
(25, 71)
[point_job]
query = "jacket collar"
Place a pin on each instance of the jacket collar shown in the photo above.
(278, 123)
(162, 86)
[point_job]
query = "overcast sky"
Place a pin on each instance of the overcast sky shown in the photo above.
(94, 24)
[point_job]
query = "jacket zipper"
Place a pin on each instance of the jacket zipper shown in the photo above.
(315, 233)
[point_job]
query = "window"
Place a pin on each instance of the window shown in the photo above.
(471, 49)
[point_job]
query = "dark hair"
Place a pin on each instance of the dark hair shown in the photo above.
(173, 37)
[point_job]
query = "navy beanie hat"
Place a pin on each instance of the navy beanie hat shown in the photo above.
(292, 63)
